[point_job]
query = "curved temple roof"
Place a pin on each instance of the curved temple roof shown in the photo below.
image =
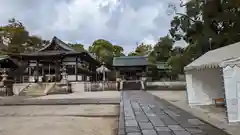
(55, 41)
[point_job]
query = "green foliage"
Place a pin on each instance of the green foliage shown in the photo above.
(161, 50)
(132, 54)
(19, 39)
(77, 47)
(118, 51)
(216, 19)
(141, 50)
(105, 51)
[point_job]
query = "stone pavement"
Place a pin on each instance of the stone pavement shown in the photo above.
(144, 114)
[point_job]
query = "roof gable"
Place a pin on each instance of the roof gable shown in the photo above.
(130, 61)
(56, 45)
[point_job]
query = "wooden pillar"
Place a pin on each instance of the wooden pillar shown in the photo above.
(37, 70)
(56, 73)
(49, 71)
(29, 70)
(76, 69)
(57, 70)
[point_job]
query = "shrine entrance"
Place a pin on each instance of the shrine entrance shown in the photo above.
(131, 72)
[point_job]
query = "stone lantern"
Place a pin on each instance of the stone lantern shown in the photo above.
(64, 80)
(4, 75)
(6, 85)
(102, 69)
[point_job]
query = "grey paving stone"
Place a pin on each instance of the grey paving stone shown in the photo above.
(175, 127)
(132, 129)
(129, 118)
(142, 119)
(136, 133)
(149, 132)
(140, 115)
(121, 131)
(171, 113)
(165, 129)
(181, 133)
(168, 121)
(164, 133)
(157, 123)
(195, 122)
(131, 123)
(145, 125)
(151, 113)
(194, 130)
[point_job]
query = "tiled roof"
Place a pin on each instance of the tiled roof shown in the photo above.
(130, 61)
(59, 42)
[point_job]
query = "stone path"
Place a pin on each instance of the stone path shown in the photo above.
(143, 114)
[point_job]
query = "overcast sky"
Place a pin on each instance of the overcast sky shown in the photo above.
(122, 22)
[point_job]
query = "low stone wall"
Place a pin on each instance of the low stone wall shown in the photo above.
(18, 87)
(164, 85)
(77, 86)
(98, 86)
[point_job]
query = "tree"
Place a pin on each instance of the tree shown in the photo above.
(162, 50)
(77, 47)
(132, 54)
(142, 50)
(105, 51)
(19, 39)
(118, 51)
(217, 20)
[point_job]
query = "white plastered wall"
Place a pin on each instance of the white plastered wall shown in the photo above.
(204, 85)
(232, 90)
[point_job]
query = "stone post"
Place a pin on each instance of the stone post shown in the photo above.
(64, 75)
(64, 80)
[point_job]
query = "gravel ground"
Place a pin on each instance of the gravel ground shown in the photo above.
(59, 120)
(101, 94)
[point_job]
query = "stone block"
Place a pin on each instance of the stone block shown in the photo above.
(194, 130)
(147, 125)
(164, 133)
(181, 132)
(169, 121)
(149, 132)
(175, 127)
(135, 133)
(131, 123)
(132, 129)
(195, 122)
(160, 129)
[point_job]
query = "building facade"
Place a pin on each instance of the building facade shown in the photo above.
(48, 63)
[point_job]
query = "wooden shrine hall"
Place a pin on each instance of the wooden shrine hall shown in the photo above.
(48, 63)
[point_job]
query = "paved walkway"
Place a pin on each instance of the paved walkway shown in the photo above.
(143, 114)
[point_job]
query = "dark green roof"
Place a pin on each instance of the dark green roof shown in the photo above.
(130, 61)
